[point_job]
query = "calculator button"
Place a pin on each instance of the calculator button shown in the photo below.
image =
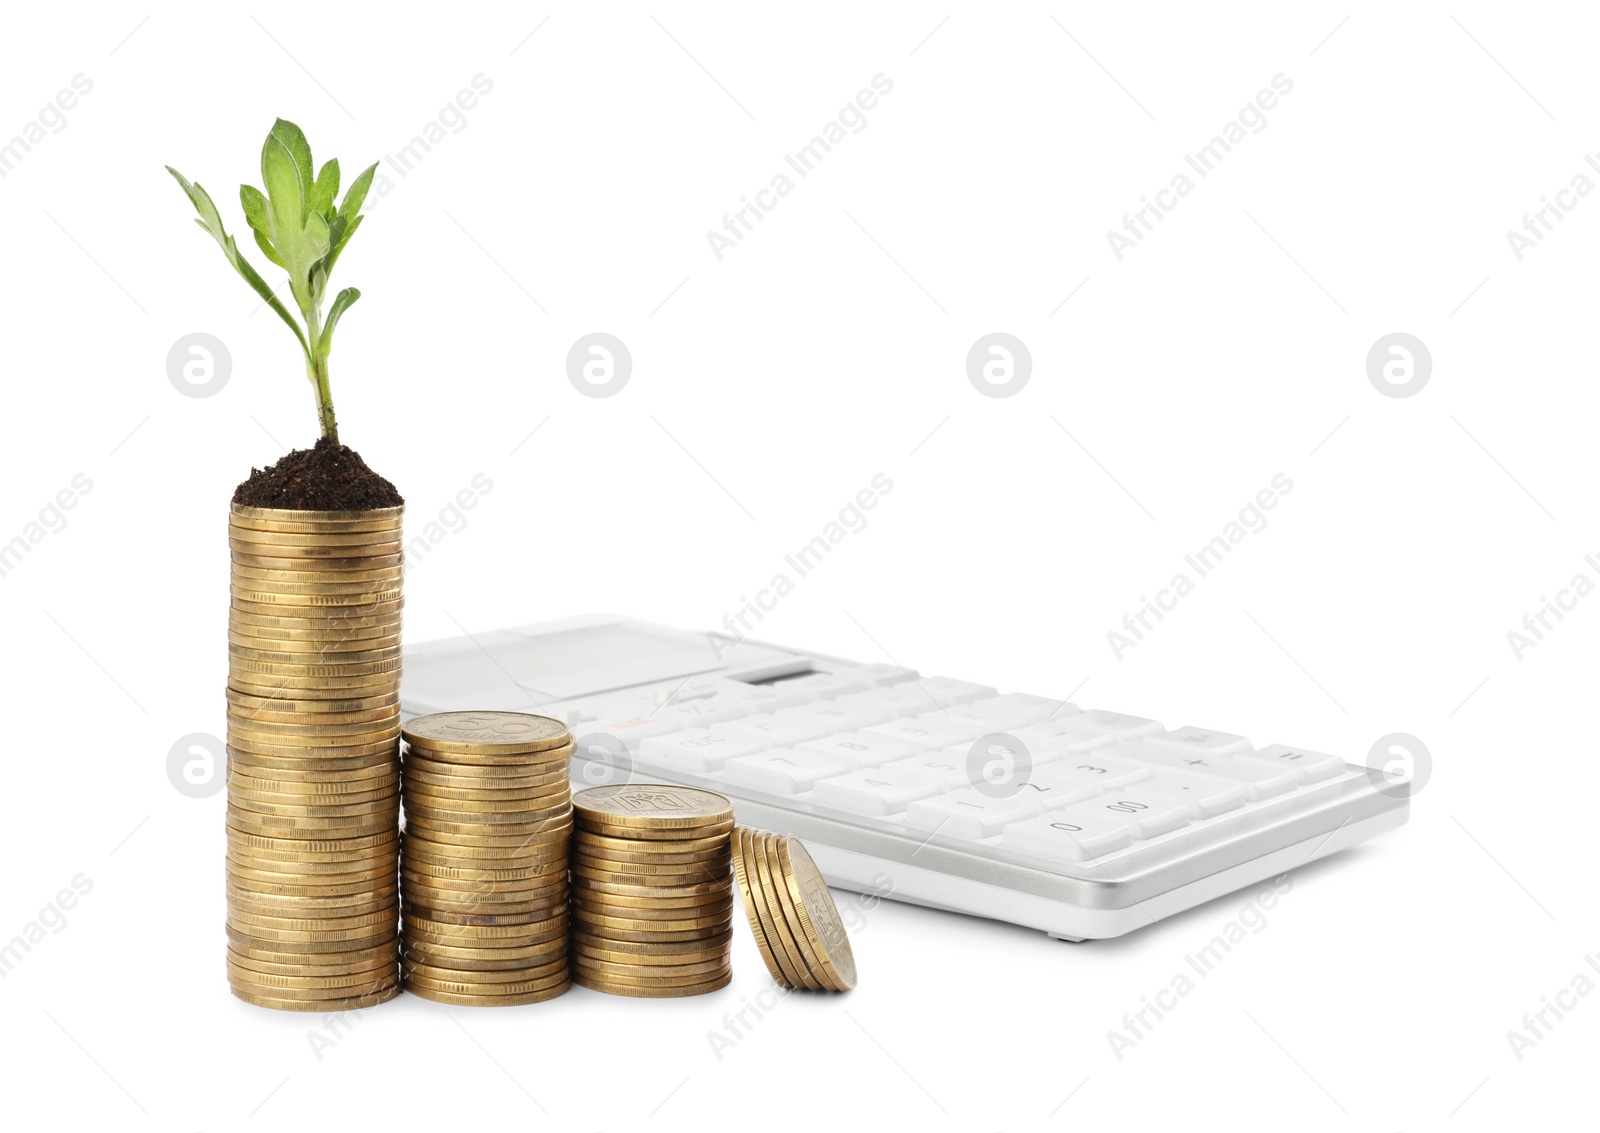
(881, 673)
(875, 791)
(1202, 740)
(1207, 795)
(1061, 736)
(1114, 724)
(1146, 813)
(860, 749)
(1313, 766)
(1055, 786)
(697, 749)
(902, 699)
(1081, 838)
(1260, 780)
(630, 729)
(765, 698)
(1025, 708)
(835, 716)
(967, 813)
(778, 733)
(925, 733)
(825, 684)
(1108, 771)
(704, 710)
(979, 714)
(947, 691)
(936, 767)
(782, 771)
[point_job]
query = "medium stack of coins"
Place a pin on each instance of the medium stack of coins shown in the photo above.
(488, 814)
(313, 757)
(652, 892)
(792, 914)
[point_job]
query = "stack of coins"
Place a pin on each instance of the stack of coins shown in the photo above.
(652, 892)
(313, 757)
(792, 914)
(488, 808)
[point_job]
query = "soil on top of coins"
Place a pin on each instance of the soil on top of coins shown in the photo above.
(326, 477)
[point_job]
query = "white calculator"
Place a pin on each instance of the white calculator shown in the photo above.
(1083, 822)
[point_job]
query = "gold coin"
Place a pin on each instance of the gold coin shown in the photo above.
(819, 916)
(316, 539)
(477, 833)
(253, 669)
(341, 938)
(537, 854)
(315, 622)
(786, 918)
(317, 829)
(646, 877)
(310, 750)
(306, 761)
(313, 948)
(548, 953)
(384, 802)
(546, 795)
(310, 721)
(637, 969)
(583, 946)
(652, 807)
(597, 938)
(309, 737)
(325, 613)
(490, 846)
(470, 908)
(303, 888)
(659, 896)
(480, 936)
(377, 777)
(385, 912)
(244, 971)
(486, 733)
(759, 913)
(544, 941)
(310, 992)
(308, 866)
(601, 924)
(312, 641)
(650, 991)
(319, 518)
(300, 562)
(356, 652)
(537, 766)
(524, 920)
(314, 572)
(423, 885)
(640, 835)
(552, 992)
(313, 688)
(607, 845)
(588, 849)
(306, 908)
(484, 821)
(470, 873)
(527, 974)
(326, 849)
(243, 793)
(374, 959)
(318, 1005)
(246, 704)
(453, 984)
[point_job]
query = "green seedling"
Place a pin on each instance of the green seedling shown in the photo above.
(297, 227)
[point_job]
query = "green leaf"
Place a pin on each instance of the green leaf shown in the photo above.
(211, 221)
(356, 195)
(255, 213)
(342, 303)
(294, 143)
(325, 189)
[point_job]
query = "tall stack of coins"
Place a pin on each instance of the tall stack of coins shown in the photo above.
(488, 813)
(652, 891)
(792, 914)
(313, 757)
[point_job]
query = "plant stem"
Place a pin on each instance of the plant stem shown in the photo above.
(319, 382)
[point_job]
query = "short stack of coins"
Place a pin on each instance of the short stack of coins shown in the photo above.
(791, 912)
(488, 803)
(652, 890)
(313, 757)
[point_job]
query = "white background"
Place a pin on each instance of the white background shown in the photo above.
(768, 388)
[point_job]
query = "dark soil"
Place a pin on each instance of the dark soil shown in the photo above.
(328, 477)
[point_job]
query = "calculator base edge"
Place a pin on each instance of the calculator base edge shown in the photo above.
(897, 881)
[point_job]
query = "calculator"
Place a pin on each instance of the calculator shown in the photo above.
(1083, 822)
